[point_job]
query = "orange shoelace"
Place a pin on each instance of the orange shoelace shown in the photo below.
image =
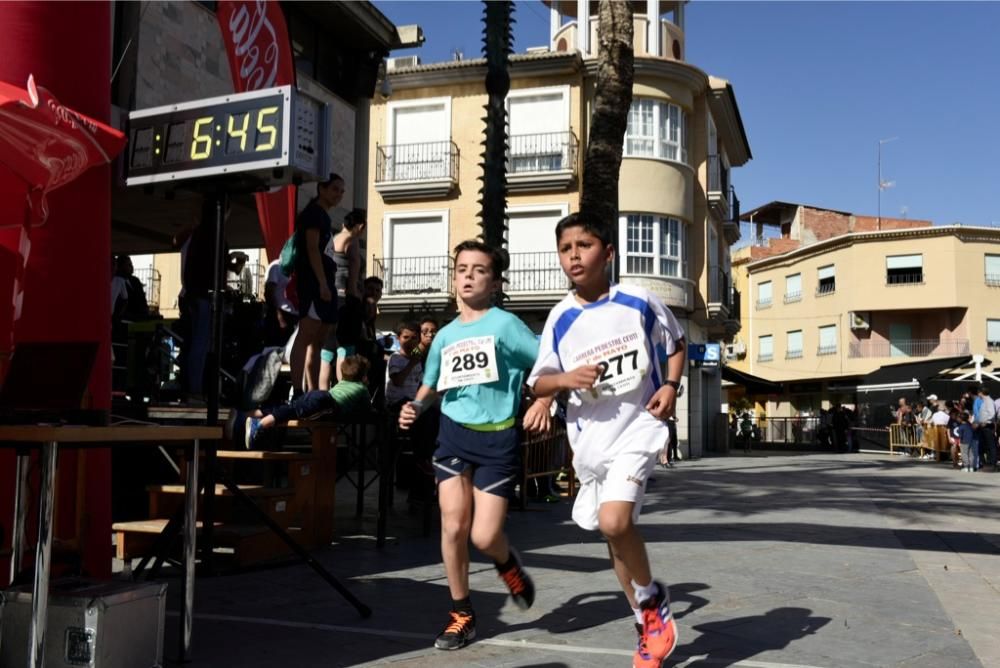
(458, 623)
(513, 580)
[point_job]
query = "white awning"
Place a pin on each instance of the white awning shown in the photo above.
(904, 262)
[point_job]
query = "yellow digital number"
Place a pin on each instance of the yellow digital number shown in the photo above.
(268, 129)
(205, 141)
(240, 132)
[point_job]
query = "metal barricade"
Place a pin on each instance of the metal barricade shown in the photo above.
(543, 455)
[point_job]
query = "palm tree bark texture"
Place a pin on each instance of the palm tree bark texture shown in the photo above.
(497, 47)
(609, 120)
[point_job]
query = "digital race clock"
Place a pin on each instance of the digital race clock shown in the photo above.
(272, 136)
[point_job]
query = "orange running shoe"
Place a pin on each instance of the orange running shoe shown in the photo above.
(642, 658)
(519, 583)
(461, 629)
(659, 627)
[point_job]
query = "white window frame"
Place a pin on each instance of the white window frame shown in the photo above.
(761, 304)
(830, 349)
(820, 278)
(761, 356)
(410, 173)
(660, 254)
(793, 296)
(661, 132)
(991, 277)
(564, 92)
(390, 218)
(548, 276)
(790, 352)
(992, 345)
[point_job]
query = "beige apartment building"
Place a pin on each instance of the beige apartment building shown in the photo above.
(821, 315)
(678, 211)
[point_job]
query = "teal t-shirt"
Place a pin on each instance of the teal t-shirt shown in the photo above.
(486, 403)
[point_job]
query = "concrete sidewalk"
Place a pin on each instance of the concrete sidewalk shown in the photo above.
(774, 561)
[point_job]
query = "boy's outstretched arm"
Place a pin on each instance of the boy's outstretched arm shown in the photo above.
(426, 396)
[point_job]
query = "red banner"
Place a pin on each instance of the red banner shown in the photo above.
(260, 56)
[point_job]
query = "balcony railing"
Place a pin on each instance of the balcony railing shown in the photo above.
(826, 288)
(428, 161)
(763, 304)
(415, 275)
(993, 280)
(543, 152)
(793, 297)
(827, 350)
(718, 177)
(909, 348)
(793, 354)
(150, 279)
(910, 278)
(535, 272)
(765, 357)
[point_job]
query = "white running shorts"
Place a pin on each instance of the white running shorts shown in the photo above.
(624, 480)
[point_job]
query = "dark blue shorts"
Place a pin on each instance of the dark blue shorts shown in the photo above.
(493, 457)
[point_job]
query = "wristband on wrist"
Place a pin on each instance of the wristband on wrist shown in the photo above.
(676, 384)
(418, 406)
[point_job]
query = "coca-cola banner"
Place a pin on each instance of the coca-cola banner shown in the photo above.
(260, 56)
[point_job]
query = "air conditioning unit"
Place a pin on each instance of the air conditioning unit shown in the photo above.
(735, 350)
(401, 62)
(860, 319)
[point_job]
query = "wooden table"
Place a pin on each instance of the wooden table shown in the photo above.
(47, 440)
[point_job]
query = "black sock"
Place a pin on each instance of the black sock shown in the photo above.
(463, 605)
(507, 565)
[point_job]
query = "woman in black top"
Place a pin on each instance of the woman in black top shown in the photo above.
(315, 276)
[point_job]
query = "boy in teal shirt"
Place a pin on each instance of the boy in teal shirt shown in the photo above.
(477, 364)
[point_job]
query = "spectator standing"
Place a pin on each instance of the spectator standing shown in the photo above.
(970, 446)
(986, 414)
(315, 276)
(347, 255)
(281, 316)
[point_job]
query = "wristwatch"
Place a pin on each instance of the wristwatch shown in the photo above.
(676, 384)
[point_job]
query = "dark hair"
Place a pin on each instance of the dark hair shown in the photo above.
(411, 325)
(355, 217)
(374, 279)
(429, 319)
(985, 389)
(498, 258)
(588, 223)
(330, 179)
(354, 368)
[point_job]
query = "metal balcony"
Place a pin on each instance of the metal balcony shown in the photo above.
(909, 348)
(535, 272)
(407, 276)
(544, 161)
(415, 171)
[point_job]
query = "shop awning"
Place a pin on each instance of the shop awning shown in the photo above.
(753, 384)
(913, 375)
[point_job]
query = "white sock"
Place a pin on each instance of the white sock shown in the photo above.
(638, 615)
(644, 592)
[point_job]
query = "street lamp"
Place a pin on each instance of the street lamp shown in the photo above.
(882, 185)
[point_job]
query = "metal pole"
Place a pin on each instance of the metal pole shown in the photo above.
(20, 513)
(190, 544)
(215, 366)
(43, 554)
(878, 162)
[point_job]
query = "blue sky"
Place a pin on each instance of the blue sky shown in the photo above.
(818, 84)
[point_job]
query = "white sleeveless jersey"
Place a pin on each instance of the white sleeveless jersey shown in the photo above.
(626, 334)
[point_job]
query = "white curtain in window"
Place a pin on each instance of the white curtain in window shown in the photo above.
(993, 331)
(766, 346)
(537, 113)
(424, 123)
(764, 292)
(904, 262)
(795, 341)
(828, 337)
(993, 265)
(793, 285)
(828, 271)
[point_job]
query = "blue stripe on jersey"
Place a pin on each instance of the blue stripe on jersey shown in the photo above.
(561, 327)
(648, 320)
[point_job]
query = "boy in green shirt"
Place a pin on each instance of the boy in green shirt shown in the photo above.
(348, 396)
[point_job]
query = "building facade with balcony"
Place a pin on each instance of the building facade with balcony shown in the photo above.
(821, 315)
(678, 209)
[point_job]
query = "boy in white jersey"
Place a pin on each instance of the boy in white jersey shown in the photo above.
(601, 344)
(477, 363)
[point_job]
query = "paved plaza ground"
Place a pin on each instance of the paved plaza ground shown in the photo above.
(774, 561)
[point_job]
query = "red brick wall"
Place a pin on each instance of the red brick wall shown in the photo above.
(869, 223)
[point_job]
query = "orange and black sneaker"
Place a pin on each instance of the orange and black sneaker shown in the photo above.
(519, 583)
(659, 628)
(461, 629)
(642, 658)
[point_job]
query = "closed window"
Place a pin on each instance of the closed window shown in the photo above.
(904, 269)
(827, 340)
(656, 129)
(418, 260)
(993, 335)
(793, 288)
(539, 129)
(993, 270)
(826, 280)
(764, 294)
(793, 349)
(654, 245)
(765, 348)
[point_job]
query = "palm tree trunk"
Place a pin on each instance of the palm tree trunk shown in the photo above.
(615, 72)
(497, 46)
